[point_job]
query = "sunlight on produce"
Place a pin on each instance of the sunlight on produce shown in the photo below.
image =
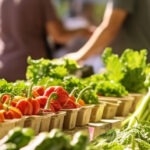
(74, 75)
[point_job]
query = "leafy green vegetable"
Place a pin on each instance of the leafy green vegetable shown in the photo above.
(90, 97)
(15, 88)
(113, 65)
(55, 68)
(141, 114)
(132, 138)
(49, 81)
(130, 69)
(71, 82)
(111, 88)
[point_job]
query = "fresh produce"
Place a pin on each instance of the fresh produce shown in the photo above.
(62, 97)
(110, 88)
(130, 69)
(17, 138)
(80, 141)
(72, 82)
(141, 113)
(42, 100)
(62, 94)
(11, 112)
(37, 91)
(55, 68)
(28, 105)
(57, 140)
(2, 118)
(7, 111)
(52, 103)
(25, 106)
(14, 88)
(133, 138)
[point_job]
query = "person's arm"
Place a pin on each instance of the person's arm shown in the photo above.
(103, 35)
(54, 27)
(62, 35)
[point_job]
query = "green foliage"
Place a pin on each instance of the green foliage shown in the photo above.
(49, 81)
(15, 88)
(130, 69)
(71, 82)
(113, 64)
(111, 88)
(90, 97)
(55, 68)
(132, 138)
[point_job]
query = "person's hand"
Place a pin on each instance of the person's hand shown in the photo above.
(88, 31)
(74, 56)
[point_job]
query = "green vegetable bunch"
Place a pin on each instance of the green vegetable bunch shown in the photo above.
(90, 97)
(110, 88)
(130, 69)
(24, 139)
(130, 138)
(14, 88)
(55, 68)
(17, 138)
(141, 114)
(71, 82)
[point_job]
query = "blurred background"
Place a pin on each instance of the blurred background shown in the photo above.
(75, 14)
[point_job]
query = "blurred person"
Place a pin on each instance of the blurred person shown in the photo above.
(80, 15)
(83, 9)
(25, 26)
(125, 25)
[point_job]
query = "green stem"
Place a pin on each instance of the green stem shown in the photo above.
(140, 110)
(11, 97)
(54, 96)
(29, 90)
(148, 118)
(7, 103)
(133, 142)
(126, 121)
(145, 115)
(81, 93)
(73, 91)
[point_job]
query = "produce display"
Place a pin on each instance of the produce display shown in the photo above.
(54, 98)
(130, 69)
(134, 135)
(133, 138)
(24, 139)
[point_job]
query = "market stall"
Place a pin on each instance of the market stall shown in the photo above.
(55, 105)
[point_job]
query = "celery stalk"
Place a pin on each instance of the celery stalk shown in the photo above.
(141, 110)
